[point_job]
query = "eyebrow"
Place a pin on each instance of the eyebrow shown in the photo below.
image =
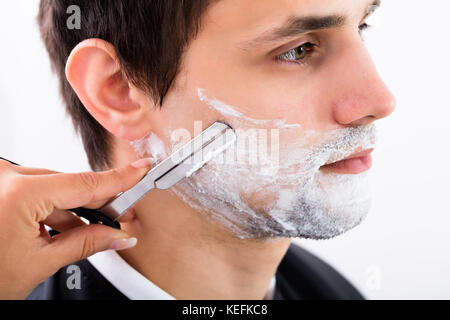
(295, 26)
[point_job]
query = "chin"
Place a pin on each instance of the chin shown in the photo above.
(307, 222)
(344, 222)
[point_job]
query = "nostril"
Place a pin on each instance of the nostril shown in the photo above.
(364, 121)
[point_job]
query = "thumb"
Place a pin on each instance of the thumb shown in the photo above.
(87, 189)
(82, 242)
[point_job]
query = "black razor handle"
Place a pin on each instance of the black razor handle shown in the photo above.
(93, 216)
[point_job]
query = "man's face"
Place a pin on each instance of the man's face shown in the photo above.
(297, 74)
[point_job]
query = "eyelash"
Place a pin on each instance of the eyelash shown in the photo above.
(285, 57)
(364, 27)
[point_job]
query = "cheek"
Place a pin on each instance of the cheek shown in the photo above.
(309, 109)
(312, 108)
(307, 104)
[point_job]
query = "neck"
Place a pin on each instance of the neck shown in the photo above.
(190, 257)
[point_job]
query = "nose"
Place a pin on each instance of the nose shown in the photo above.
(362, 97)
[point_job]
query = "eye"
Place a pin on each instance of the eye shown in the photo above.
(297, 55)
(363, 27)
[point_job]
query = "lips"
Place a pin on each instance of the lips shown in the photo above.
(355, 164)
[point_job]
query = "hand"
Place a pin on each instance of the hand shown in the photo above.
(32, 198)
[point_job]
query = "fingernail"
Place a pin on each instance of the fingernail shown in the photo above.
(143, 163)
(123, 244)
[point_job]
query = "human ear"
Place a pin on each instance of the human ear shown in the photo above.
(94, 72)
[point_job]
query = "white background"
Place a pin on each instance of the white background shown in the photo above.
(401, 251)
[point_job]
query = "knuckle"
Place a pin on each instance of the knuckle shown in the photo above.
(116, 176)
(14, 187)
(88, 248)
(90, 182)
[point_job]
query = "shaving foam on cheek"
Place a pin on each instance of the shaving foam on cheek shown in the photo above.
(297, 199)
(150, 145)
(231, 112)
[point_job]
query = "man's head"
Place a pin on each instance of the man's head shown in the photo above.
(294, 69)
(149, 38)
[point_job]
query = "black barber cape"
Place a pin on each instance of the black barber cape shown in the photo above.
(300, 275)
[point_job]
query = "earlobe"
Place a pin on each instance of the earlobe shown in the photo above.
(94, 73)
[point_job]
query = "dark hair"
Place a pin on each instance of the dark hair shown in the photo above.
(150, 37)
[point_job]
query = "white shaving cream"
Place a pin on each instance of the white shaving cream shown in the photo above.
(231, 112)
(150, 145)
